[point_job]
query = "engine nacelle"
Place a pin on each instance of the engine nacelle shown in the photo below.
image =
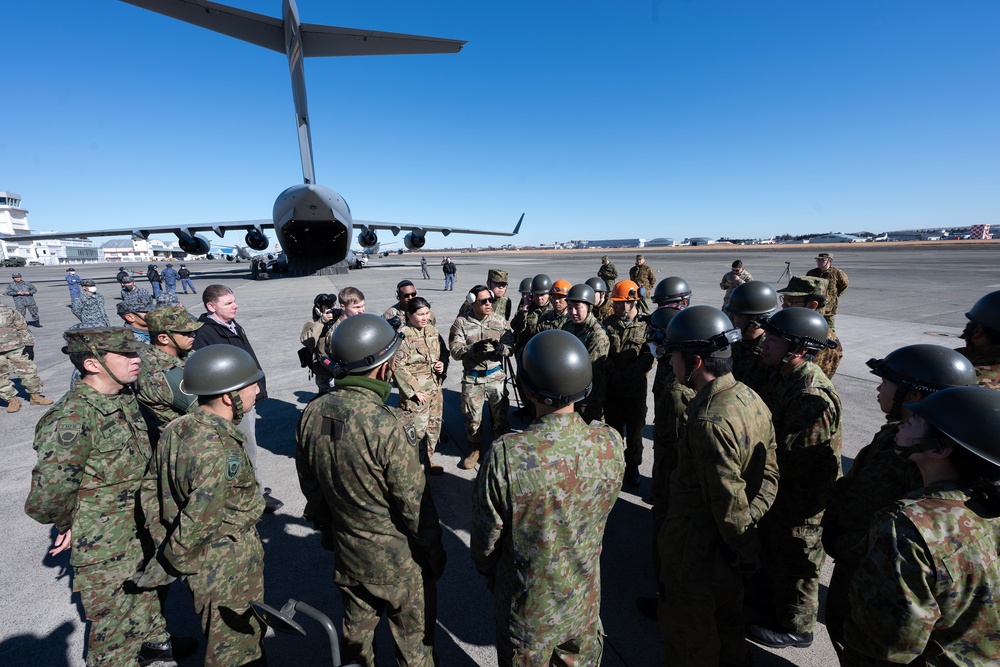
(229, 258)
(256, 240)
(415, 240)
(194, 245)
(367, 238)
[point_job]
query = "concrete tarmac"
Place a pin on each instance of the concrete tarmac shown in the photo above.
(898, 295)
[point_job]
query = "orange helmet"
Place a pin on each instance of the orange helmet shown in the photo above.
(625, 290)
(560, 287)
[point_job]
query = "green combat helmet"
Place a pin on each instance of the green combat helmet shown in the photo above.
(753, 298)
(361, 343)
(219, 369)
(598, 284)
(541, 284)
(555, 368)
(525, 286)
(167, 319)
(968, 415)
(657, 323)
(924, 368)
(801, 327)
(704, 330)
(671, 290)
(986, 311)
(582, 293)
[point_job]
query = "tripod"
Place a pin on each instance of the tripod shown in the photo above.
(787, 273)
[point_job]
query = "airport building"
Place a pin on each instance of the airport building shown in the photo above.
(49, 252)
(615, 243)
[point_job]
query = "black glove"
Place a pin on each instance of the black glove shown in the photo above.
(29, 351)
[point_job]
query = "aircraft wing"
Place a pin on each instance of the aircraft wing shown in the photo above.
(220, 228)
(317, 40)
(396, 228)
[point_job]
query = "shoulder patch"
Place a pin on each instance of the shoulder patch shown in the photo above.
(411, 433)
(233, 465)
(68, 434)
(332, 428)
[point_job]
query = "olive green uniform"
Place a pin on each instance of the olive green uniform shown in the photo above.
(595, 339)
(628, 363)
(14, 337)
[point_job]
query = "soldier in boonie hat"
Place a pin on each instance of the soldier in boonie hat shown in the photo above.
(97, 340)
(496, 280)
(496, 276)
(167, 319)
(805, 286)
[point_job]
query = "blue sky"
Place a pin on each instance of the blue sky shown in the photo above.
(744, 118)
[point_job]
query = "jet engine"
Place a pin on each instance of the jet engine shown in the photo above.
(194, 245)
(415, 240)
(367, 238)
(256, 240)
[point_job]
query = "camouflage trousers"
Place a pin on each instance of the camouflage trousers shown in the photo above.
(793, 557)
(427, 418)
(473, 397)
(582, 651)
(703, 624)
(829, 360)
(411, 608)
(25, 369)
(627, 415)
(230, 577)
(122, 616)
(26, 305)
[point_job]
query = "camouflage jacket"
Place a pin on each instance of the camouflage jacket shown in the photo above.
(540, 505)
(595, 339)
(158, 387)
(466, 331)
(501, 306)
(525, 323)
(90, 308)
(315, 335)
(413, 365)
(726, 479)
(552, 320)
(365, 489)
(14, 332)
(169, 276)
(93, 457)
(670, 401)
(749, 368)
(731, 281)
(986, 360)
(878, 477)
(643, 276)
(807, 414)
(926, 591)
(629, 359)
(609, 274)
(21, 300)
(395, 311)
(207, 488)
(604, 311)
(836, 281)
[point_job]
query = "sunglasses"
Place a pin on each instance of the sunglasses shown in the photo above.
(189, 334)
(483, 302)
(407, 295)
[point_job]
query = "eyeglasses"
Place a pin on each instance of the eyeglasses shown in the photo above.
(793, 301)
(407, 295)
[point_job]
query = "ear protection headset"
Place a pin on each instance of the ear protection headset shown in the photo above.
(471, 296)
(400, 286)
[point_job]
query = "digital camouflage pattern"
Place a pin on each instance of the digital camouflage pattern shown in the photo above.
(93, 458)
(926, 592)
(14, 337)
(366, 492)
(158, 387)
(749, 368)
(24, 298)
(482, 378)
(836, 286)
(525, 323)
(413, 369)
(90, 308)
(828, 359)
(986, 360)
(137, 293)
(628, 363)
(725, 481)
(807, 420)
(552, 320)
(730, 281)
(540, 505)
(100, 339)
(878, 478)
(604, 311)
(210, 505)
(595, 339)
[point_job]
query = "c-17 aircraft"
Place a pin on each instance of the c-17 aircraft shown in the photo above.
(313, 223)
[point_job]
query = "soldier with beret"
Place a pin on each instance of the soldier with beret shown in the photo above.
(24, 298)
(73, 282)
(836, 284)
(133, 309)
(810, 292)
(89, 307)
(982, 340)
(14, 338)
(93, 458)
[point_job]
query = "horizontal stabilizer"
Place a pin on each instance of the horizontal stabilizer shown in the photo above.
(326, 40)
(257, 29)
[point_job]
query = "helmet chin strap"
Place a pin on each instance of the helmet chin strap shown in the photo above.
(234, 396)
(925, 445)
(100, 360)
(898, 398)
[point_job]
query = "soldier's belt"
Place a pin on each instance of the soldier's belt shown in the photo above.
(482, 374)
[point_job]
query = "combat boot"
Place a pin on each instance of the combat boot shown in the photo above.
(166, 654)
(470, 461)
(38, 399)
(13, 405)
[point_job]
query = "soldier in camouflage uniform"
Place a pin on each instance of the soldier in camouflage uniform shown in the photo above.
(559, 315)
(525, 322)
(808, 292)
(314, 336)
(496, 280)
(14, 338)
(209, 501)
(982, 339)
(540, 505)
(734, 278)
(602, 304)
(725, 482)
(836, 284)
(807, 420)
(24, 298)
(162, 367)
(405, 290)
(750, 304)
(591, 333)
(132, 310)
(608, 273)
(129, 290)
(366, 492)
(89, 306)
(879, 476)
(419, 368)
(93, 456)
(480, 341)
(628, 363)
(927, 591)
(643, 276)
